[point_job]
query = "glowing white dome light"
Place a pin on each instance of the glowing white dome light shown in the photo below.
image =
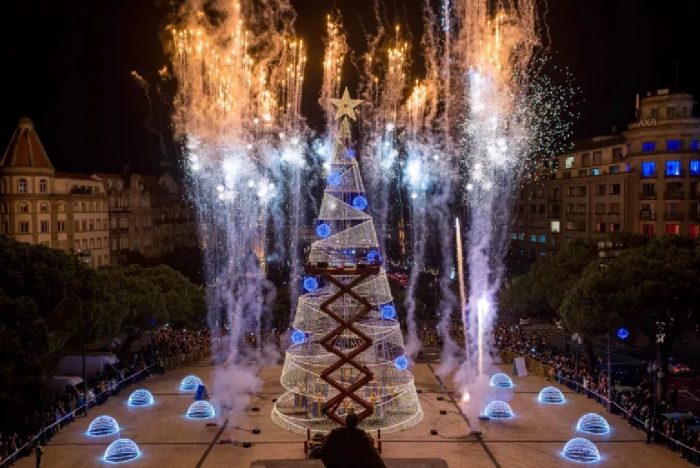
(102, 426)
(498, 410)
(551, 395)
(201, 410)
(501, 380)
(121, 451)
(140, 397)
(190, 383)
(581, 450)
(593, 424)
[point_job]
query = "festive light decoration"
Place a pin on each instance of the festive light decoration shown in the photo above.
(350, 153)
(593, 423)
(298, 337)
(310, 283)
(335, 179)
(140, 397)
(622, 333)
(323, 230)
(581, 450)
(359, 364)
(201, 409)
(498, 410)
(359, 203)
(501, 380)
(103, 426)
(190, 383)
(551, 395)
(388, 312)
(121, 451)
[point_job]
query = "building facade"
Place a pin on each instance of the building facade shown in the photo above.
(645, 181)
(100, 217)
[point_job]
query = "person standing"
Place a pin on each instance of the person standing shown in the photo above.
(38, 453)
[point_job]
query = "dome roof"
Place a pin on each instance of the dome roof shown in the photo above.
(25, 148)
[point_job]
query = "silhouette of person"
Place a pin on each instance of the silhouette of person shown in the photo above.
(350, 447)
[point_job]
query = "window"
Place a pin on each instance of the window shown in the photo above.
(61, 226)
(582, 172)
(600, 189)
(3, 186)
(695, 167)
(648, 169)
(566, 175)
(44, 226)
(533, 238)
(654, 113)
(597, 157)
(673, 168)
(4, 209)
(61, 207)
(569, 162)
(84, 243)
(555, 226)
(673, 145)
(600, 208)
(648, 147)
(542, 209)
(542, 239)
(694, 231)
(614, 208)
(521, 236)
(43, 186)
(44, 207)
(24, 227)
(581, 208)
(23, 208)
(648, 190)
(614, 169)
(570, 208)
(533, 209)
(570, 226)
(22, 186)
(673, 229)
(570, 191)
(99, 243)
(648, 230)
(695, 145)
(595, 171)
(614, 227)
(600, 228)
(83, 225)
(585, 159)
(4, 228)
(514, 237)
(615, 189)
(617, 154)
(581, 191)
(671, 112)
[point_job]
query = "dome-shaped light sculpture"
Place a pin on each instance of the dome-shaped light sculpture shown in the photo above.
(401, 363)
(201, 410)
(388, 312)
(103, 426)
(190, 383)
(593, 423)
(298, 337)
(501, 380)
(359, 203)
(310, 284)
(551, 395)
(498, 409)
(581, 450)
(121, 451)
(140, 397)
(323, 230)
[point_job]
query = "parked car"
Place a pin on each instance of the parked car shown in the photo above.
(678, 368)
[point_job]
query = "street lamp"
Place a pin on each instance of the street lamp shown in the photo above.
(657, 373)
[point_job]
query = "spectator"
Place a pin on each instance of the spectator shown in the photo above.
(349, 446)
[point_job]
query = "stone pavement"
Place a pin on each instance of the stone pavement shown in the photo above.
(535, 437)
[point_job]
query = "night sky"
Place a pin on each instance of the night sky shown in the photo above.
(67, 63)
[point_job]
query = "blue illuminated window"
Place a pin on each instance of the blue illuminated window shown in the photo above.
(695, 167)
(695, 145)
(533, 238)
(595, 171)
(543, 239)
(648, 147)
(614, 169)
(514, 236)
(673, 145)
(649, 169)
(673, 168)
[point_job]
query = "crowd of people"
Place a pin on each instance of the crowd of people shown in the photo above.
(167, 348)
(634, 403)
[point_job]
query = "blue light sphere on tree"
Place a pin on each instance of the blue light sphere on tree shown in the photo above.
(335, 179)
(373, 256)
(310, 283)
(323, 230)
(298, 337)
(359, 202)
(401, 363)
(623, 333)
(388, 312)
(350, 153)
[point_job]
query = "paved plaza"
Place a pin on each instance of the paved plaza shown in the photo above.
(533, 438)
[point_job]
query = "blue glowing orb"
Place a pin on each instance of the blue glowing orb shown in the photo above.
(593, 424)
(102, 426)
(373, 256)
(298, 337)
(335, 179)
(401, 363)
(350, 153)
(581, 450)
(323, 230)
(498, 409)
(190, 383)
(201, 410)
(359, 202)
(121, 451)
(622, 333)
(388, 312)
(310, 283)
(501, 380)
(551, 395)
(140, 397)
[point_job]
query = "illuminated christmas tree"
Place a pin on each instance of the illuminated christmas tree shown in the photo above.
(347, 351)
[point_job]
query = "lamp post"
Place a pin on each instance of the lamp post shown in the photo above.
(656, 373)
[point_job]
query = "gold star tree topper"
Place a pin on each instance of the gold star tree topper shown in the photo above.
(345, 105)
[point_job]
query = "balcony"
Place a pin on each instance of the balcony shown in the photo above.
(674, 216)
(647, 196)
(674, 195)
(647, 215)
